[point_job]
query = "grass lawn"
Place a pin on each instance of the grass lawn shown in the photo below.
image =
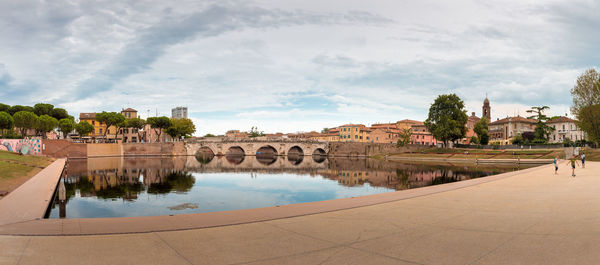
(17, 169)
(486, 154)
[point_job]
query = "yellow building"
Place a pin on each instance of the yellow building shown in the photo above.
(100, 128)
(354, 133)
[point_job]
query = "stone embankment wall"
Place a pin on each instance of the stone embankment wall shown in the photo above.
(349, 149)
(65, 148)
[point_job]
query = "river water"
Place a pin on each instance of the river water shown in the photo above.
(136, 186)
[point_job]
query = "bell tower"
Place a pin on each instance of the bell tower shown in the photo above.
(486, 110)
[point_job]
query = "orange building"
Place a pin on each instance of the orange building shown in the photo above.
(420, 135)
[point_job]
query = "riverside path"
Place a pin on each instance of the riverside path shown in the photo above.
(527, 217)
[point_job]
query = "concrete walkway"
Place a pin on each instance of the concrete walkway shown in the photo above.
(531, 218)
(30, 200)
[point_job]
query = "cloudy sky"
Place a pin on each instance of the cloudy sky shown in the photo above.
(295, 65)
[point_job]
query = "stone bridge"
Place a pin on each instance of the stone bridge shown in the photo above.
(275, 164)
(254, 147)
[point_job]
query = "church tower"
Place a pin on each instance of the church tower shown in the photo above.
(487, 110)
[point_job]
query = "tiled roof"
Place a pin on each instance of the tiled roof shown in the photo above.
(90, 115)
(353, 125)
(129, 110)
(513, 119)
(562, 119)
(410, 121)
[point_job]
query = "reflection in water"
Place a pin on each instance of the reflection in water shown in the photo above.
(295, 159)
(266, 159)
(319, 158)
(112, 187)
(235, 159)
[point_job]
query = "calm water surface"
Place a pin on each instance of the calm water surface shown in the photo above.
(123, 187)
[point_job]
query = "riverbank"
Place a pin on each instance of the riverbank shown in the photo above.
(16, 169)
(478, 156)
(31, 200)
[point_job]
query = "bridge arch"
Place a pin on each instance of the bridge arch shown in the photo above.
(204, 155)
(319, 155)
(295, 151)
(266, 150)
(319, 151)
(235, 150)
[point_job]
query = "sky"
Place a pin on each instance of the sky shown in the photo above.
(297, 65)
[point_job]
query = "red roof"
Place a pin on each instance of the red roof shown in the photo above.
(90, 115)
(513, 119)
(562, 119)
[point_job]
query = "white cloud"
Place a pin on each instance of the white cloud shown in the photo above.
(294, 65)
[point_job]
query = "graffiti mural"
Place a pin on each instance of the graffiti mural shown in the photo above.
(24, 146)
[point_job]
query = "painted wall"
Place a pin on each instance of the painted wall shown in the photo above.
(31, 146)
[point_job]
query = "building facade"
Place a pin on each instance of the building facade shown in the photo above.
(420, 135)
(99, 127)
(503, 130)
(179, 113)
(354, 133)
(565, 128)
(236, 134)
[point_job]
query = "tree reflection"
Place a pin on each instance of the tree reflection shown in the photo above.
(179, 181)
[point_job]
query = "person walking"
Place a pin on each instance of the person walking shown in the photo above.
(573, 162)
(555, 165)
(583, 160)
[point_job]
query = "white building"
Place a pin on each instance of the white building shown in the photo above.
(179, 112)
(565, 127)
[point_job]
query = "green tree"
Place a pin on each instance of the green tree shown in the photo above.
(481, 129)
(404, 137)
(4, 107)
(447, 118)
(518, 140)
(589, 122)
(25, 120)
(586, 103)
(181, 127)
(159, 124)
(254, 132)
(65, 126)
(83, 128)
(542, 130)
(45, 124)
(209, 135)
(474, 140)
(16, 108)
(59, 114)
(110, 119)
(325, 130)
(43, 109)
(6, 122)
(138, 124)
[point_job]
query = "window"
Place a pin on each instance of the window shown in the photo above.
(100, 130)
(93, 122)
(563, 127)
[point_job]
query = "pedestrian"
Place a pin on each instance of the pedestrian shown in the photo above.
(583, 160)
(555, 165)
(573, 162)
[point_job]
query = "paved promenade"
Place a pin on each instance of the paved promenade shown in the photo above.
(30, 200)
(534, 217)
